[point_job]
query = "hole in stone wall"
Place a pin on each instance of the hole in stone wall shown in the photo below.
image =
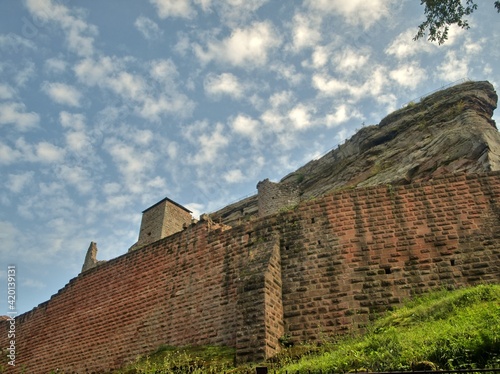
(287, 247)
(319, 242)
(388, 270)
(452, 262)
(149, 234)
(312, 220)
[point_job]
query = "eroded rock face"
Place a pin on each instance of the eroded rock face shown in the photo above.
(449, 131)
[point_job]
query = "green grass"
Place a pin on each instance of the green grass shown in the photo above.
(196, 360)
(451, 330)
(442, 330)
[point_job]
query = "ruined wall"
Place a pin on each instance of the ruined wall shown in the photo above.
(325, 267)
(273, 197)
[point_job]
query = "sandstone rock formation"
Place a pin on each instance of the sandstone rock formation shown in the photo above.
(448, 131)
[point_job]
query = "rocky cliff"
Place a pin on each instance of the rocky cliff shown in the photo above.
(446, 132)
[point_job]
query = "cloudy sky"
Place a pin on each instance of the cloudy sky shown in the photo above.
(108, 106)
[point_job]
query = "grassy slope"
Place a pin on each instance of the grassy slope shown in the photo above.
(447, 329)
(450, 329)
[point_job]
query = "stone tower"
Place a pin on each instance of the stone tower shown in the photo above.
(160, 220)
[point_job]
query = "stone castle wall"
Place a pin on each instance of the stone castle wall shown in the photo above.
(275, 197)
(327, 266)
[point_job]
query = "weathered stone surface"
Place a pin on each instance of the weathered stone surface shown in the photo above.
(237, 213)
(446, 132)
(91, 258)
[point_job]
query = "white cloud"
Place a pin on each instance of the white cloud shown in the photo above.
(356, 12)
(148, 28)
(172, 150)
(10, 237)
(133, 163)
(454, 34)
(329, 85)
(453, 68)
(33, 283)
(248, 47)
(146, 99)
(127, 85)
(275, 120)
(8, 155)
(130, 160)
(24, 73)
(368, 85)
(72, 121)
(287, 72)
(341, 115)
(153, 108)
(62, 93)
(79, 35)
(142, 137)
(111, 188)
(96, 72)
(404, 46)
(15, 42)
(232, 12)
(165, 72)
(174, 8)
(208, 141)
(196, 208)
(305, 32)
(183, 44)
(43, 152)
(77, 177)
(243, 5)
(77, 139)
(472, 47)
(56, 65)
(350, 61)
(78, 142)
(6, 92)
(248, 127)
(343, 135)
(48, 153)
(320, 56)
(223, 84)
(17, 182)
(408, 75)
(157, 183)
(300, 116)
(234, 176)
(15, 114)
(281, 98)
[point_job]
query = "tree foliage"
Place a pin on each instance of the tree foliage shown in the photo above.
(441, 14)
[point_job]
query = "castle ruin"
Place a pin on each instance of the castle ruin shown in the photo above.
(327, 264)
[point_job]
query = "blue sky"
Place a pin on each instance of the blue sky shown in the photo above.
(106, 107)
